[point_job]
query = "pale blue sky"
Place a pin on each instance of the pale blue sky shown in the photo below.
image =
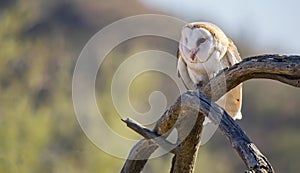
(271, 26)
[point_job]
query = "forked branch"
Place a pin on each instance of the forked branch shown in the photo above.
(285, 69)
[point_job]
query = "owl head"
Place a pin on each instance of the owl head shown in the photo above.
(200, 40)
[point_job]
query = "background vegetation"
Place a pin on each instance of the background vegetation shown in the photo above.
(39, 44)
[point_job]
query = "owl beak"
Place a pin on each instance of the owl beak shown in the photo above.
(193, 53)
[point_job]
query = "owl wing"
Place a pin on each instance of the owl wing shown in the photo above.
(232, 53)
(232, 99)
(183, 73)
(233, 102)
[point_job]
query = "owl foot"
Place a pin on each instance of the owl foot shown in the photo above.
(199, 84)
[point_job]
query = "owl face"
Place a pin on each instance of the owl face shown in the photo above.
(200, 40)
(196, 44)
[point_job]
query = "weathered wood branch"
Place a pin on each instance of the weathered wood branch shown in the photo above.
(282, 68)
(285, 69)
(148, 134)
(179, 116)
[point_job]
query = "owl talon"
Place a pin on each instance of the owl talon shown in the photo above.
(199, 84)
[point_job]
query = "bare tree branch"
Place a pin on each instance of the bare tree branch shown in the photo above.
(282, 68)
(285, 69)
(148, 134)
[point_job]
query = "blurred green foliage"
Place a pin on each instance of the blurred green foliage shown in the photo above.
(39, 45)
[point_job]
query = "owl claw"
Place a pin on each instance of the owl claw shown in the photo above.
(199, 84)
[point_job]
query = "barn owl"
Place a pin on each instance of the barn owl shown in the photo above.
(204, 50)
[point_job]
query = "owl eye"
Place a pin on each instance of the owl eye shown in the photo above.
(200, 40)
